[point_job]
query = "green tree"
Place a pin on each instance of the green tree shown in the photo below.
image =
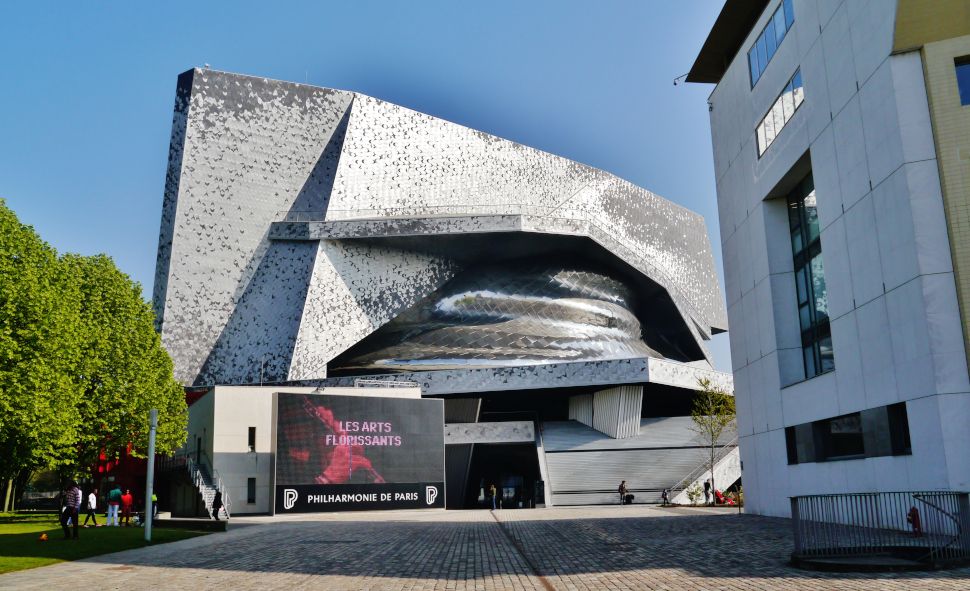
(712, 413)
(80, 361)
(38, 354)
(124, 372)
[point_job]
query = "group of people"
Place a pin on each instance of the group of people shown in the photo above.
(118, 502)
(626, 498)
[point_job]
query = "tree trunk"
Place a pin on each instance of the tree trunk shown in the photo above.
(7, 498)
(713, 488)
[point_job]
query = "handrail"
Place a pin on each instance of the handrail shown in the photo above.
(927, 527)
(705, 466)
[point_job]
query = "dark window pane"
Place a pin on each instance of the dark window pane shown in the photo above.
(789, 13)
(793, 215)
(251, 490)
(963, 79)
(796, 240)
(804, 317)
(252, 439)
(791, 445)
(826, 356)
(801, 285)
(899, 429)
(845, 437)
(808, 354)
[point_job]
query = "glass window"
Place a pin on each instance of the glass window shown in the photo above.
(813, 311)
(252, 439)
(762, 54)
(826, 357)
(753, 65)
(781, 112)
(769, 40)
(787, 102)
(818, 288)
(845, 437)
(780, 27)
(250, 490)
(899, 429)
(963, 78)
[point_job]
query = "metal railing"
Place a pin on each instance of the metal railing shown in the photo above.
(703, 467)
(207, 481)
(931, 527)
(371, 383)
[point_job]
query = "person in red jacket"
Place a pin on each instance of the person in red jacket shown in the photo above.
(126, 502)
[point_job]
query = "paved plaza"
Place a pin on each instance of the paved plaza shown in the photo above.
(633, 547)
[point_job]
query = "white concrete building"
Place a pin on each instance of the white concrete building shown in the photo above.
(841, 148)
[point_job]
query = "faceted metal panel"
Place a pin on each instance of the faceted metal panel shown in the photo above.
(518, 313)
(237, 303)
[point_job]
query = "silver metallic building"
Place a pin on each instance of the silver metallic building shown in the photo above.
(314, 236)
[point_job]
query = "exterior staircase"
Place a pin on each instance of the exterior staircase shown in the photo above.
(207, 484)
(727, 471)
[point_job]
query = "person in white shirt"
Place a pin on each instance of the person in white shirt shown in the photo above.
(92, 507)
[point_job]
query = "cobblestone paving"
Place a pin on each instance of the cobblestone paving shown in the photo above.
(564, 549)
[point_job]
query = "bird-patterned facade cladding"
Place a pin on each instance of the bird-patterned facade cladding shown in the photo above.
(242, 298)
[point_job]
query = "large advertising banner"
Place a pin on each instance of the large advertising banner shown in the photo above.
(349, 453)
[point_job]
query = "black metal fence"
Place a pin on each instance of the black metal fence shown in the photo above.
(931, 527)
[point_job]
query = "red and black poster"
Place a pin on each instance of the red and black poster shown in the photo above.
(347, 453)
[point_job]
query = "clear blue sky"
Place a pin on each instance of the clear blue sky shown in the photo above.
(88, 90)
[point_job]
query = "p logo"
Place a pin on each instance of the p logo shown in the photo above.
(289, 498)
(430, 494)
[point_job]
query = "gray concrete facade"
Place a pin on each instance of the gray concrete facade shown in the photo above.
(864, 133)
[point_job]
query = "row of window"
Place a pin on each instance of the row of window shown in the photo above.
(810, 289)
(882, 431)
(770, 40)
(781, 112)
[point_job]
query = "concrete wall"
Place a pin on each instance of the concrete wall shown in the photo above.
(864, 128)
(223, 417)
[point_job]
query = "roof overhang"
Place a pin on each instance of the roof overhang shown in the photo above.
(725, 39)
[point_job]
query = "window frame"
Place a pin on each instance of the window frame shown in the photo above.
(250, 491)
(787, 11)
(814, 323)
(797, 94)
(962, 65)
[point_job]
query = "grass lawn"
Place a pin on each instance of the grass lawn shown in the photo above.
(21, 548)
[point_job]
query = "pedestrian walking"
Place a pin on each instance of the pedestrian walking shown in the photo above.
(217, 505)
(72, 500)
(114, 501)
(623, 490)
(665, 498)
(92, 507)
(707, 491)
(493, 493)
(126, 502)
